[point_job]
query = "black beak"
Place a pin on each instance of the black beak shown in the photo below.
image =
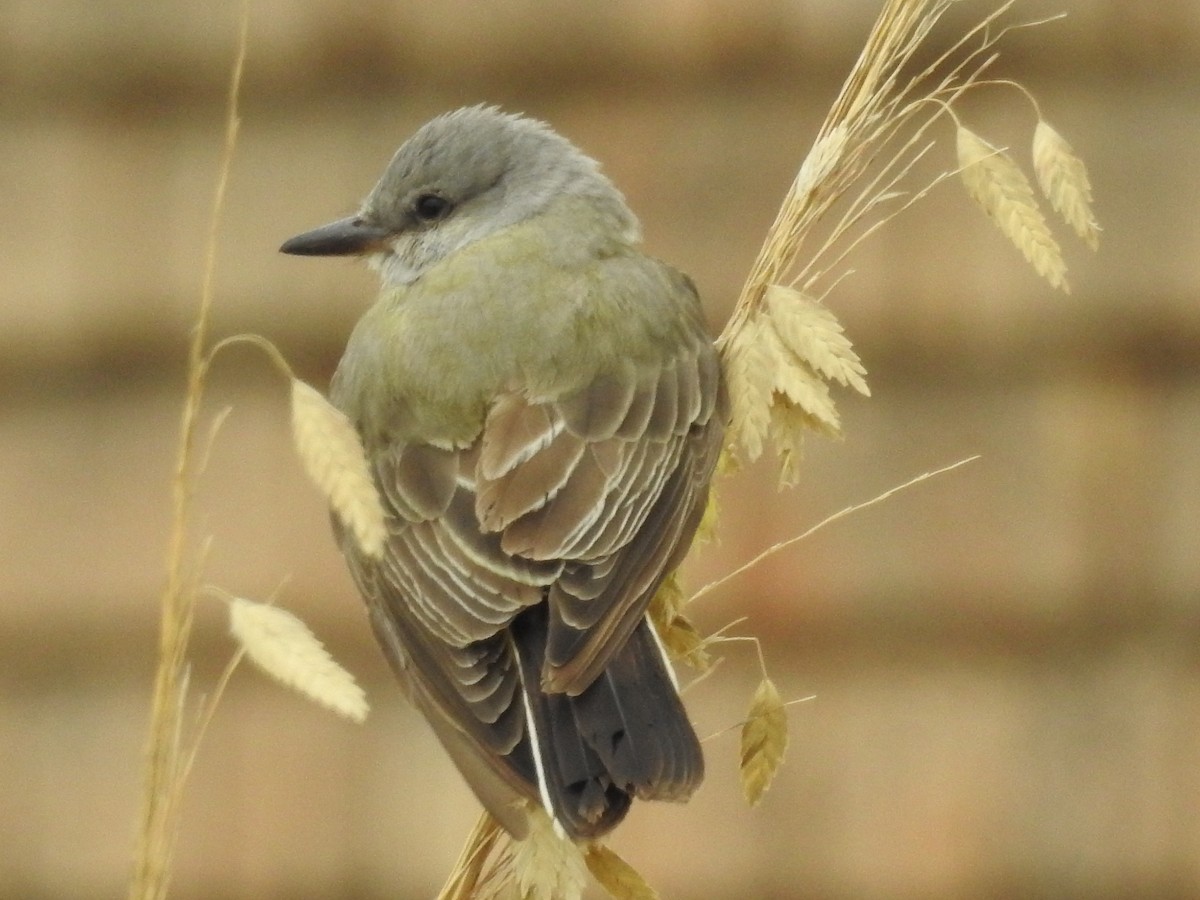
(345, 237)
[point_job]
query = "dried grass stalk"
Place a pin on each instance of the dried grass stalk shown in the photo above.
(333, 456)
(1064, 181)
(872, 105)
(283, 647)
(1002, 191)
(484, 867)
(764, 740)
(853, 178)
(165, 765)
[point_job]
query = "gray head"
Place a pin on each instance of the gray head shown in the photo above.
(460, 178)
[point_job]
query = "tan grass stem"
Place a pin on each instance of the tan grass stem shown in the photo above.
(164, 765)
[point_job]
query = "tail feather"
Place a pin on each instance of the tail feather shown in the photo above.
(633, 717)
(626, 735)
(573, 783)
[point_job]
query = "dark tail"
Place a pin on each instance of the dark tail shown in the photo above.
(627, 735)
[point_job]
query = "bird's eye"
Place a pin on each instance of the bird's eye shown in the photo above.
(430, 207)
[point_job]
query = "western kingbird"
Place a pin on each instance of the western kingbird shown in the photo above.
(542, 409)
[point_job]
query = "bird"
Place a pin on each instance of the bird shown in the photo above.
(541, 407)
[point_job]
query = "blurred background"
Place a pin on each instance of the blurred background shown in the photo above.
(1005, 659)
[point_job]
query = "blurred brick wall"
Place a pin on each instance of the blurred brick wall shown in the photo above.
(1005, 659)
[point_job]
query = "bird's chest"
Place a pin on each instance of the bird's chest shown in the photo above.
(426, 363)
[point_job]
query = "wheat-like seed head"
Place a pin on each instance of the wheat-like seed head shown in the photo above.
(543, 866)
(283, 647)
(797, 385)
(668, 601)
(619, 878)
(764, 740)
(814, 337)
(685, 643)
(333, 456)
(789, 426)
(676, 632)
(547, 865)
(751, 378)
(1064, 181)
(779, 365)
(1002, 191)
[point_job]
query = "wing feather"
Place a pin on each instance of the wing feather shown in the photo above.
(530, 485)
(553, 530)
(598, 410)
(417, 480)
(665, 412)
(515, 431)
